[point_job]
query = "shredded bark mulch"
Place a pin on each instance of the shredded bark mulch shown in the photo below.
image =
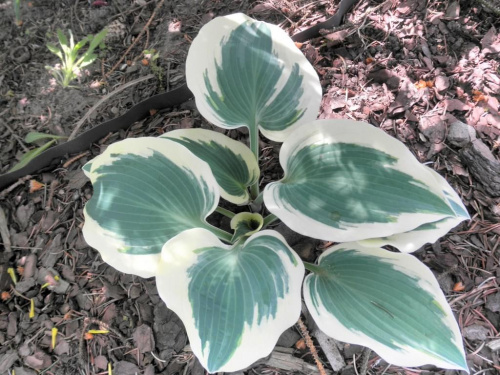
(428, 73)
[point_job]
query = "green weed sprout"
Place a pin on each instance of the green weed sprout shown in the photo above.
(17, 12)
(69, 55)
(35, 137)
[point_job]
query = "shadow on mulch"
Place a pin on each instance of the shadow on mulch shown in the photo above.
(413, 71)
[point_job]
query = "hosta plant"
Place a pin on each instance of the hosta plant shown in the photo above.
(344, 181)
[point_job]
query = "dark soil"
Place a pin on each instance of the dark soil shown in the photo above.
(413, 68)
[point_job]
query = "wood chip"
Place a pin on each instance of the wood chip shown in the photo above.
(4, 231)
(143, 338)
(7, 360)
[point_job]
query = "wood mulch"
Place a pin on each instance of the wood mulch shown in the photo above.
(428, 73)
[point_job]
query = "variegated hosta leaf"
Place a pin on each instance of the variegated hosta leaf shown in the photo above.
(233, 164)
(348, 181)
(389, 302)
(146, 191)
(244, 72)
(246, 224)
(427, 233)
(234, 301)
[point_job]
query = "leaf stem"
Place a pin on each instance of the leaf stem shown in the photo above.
(269, 219)
(260, 199)
(254, 146)
(221, 234)
(314, 268)
(225, 212)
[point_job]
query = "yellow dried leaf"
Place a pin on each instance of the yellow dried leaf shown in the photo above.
(54, 337)
(32, 309)
(97, 331)
(12, 275)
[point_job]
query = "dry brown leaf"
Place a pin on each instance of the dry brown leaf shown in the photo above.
(422, 84)
(459, 287)
(301, 344)
(478, 96)
(5, 296)
(35, 186)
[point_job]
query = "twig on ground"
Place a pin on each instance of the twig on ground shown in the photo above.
(4, 231)
(14, 134)
(128, 11)
(365, 357)
(74, 158)
(310, 345)
(488, 4)
(21, 181)
(79, 124)
(158, 6)
(52, 190)
(88, 321)
(330, 349)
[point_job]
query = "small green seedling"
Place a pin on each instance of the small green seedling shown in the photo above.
(17, 12)
(33, 137)
(71, 64)
(151, 58)
(151, 54)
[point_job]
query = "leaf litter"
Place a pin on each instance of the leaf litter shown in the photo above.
(427, 73)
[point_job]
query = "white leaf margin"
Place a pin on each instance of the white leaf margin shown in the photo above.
(205, 51)
(405, 263)
(172, 283)
(105, 241)
(411, 241)
(362, 134)
(238, 148)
